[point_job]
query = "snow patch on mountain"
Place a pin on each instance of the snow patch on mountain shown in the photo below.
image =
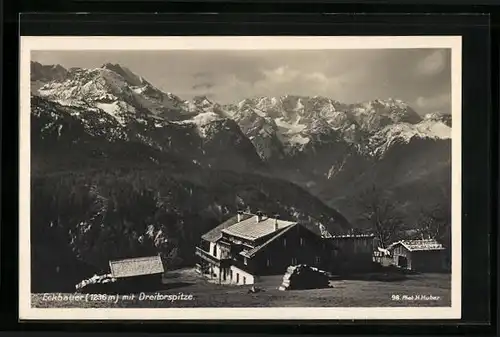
(117, 110)
(201, 122)
(405, 132)
(290, 127)
(204, 118)
(298, 139)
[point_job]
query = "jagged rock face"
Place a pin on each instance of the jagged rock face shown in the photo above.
(301, 122)
(41, 74)
(48, 73)
(276, 126)
(311, 140)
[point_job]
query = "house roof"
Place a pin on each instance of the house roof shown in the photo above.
(216, 233)
(352, 236)
(250, 229)
(250, 253)
(419, 245)
(136, 266)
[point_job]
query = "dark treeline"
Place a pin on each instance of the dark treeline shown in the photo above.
(83, 219)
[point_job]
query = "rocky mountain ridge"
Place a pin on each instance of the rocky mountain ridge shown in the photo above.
(317, 142)
(275, 125)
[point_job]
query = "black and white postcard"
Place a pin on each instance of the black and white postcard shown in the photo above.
(240, 178)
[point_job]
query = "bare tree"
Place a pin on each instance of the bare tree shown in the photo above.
(381, 214)
(435, 221)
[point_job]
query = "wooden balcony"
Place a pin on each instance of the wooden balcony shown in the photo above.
(211, 259)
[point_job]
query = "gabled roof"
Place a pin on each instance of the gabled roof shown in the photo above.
(351, 236)
(251, 229)
(136, 266)
(216, 233)
(250, 253)
(419, 245)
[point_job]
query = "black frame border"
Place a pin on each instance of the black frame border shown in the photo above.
(479, 150)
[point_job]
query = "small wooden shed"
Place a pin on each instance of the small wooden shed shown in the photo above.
(137, 274)
(418, 255)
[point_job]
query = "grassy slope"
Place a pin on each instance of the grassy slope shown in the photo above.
(345, 293)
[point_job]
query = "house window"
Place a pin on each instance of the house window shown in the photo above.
(268, 262)
(214, 251)
(294, 261)
(244, 280)
(245, 261)
(301, 241)
(284, 242)
(237, 278)
(317, 259)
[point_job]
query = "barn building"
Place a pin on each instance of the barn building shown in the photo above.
(137, 274)
(418, 255)
(247, 246)
(353, 252)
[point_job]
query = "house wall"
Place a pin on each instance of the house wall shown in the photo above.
(138, 283)
(232, 275)
(213, 250)
(217, 250)
(400, 251)
(223, 251)
(382, 259)
(207, 268)
(420, 261)
(297, 246)
(352, 254)
(241, 277)
(428, 261)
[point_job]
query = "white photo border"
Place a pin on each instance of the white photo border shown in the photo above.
(60, 43)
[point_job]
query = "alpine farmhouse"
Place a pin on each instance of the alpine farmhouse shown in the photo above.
(247, 246)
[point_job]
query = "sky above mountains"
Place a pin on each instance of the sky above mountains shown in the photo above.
(421, 77)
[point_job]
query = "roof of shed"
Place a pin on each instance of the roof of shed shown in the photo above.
(250, 229)
(419, 245)
(136, 266)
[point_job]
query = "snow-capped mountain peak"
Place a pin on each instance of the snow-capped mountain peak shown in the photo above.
(381, 141)
(117, 90)
(438, 117)
(125, 73)
(278, 122)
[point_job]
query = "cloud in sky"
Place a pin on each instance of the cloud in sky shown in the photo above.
(421, 77)
(438, 103)
(433, 64)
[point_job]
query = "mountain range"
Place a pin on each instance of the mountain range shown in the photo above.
(322, 152)
(324, 145)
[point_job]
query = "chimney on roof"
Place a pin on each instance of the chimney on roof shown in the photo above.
(276, 217)
(240, 213)
(258, 216)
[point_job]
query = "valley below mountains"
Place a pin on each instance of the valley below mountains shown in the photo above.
(122, 168)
